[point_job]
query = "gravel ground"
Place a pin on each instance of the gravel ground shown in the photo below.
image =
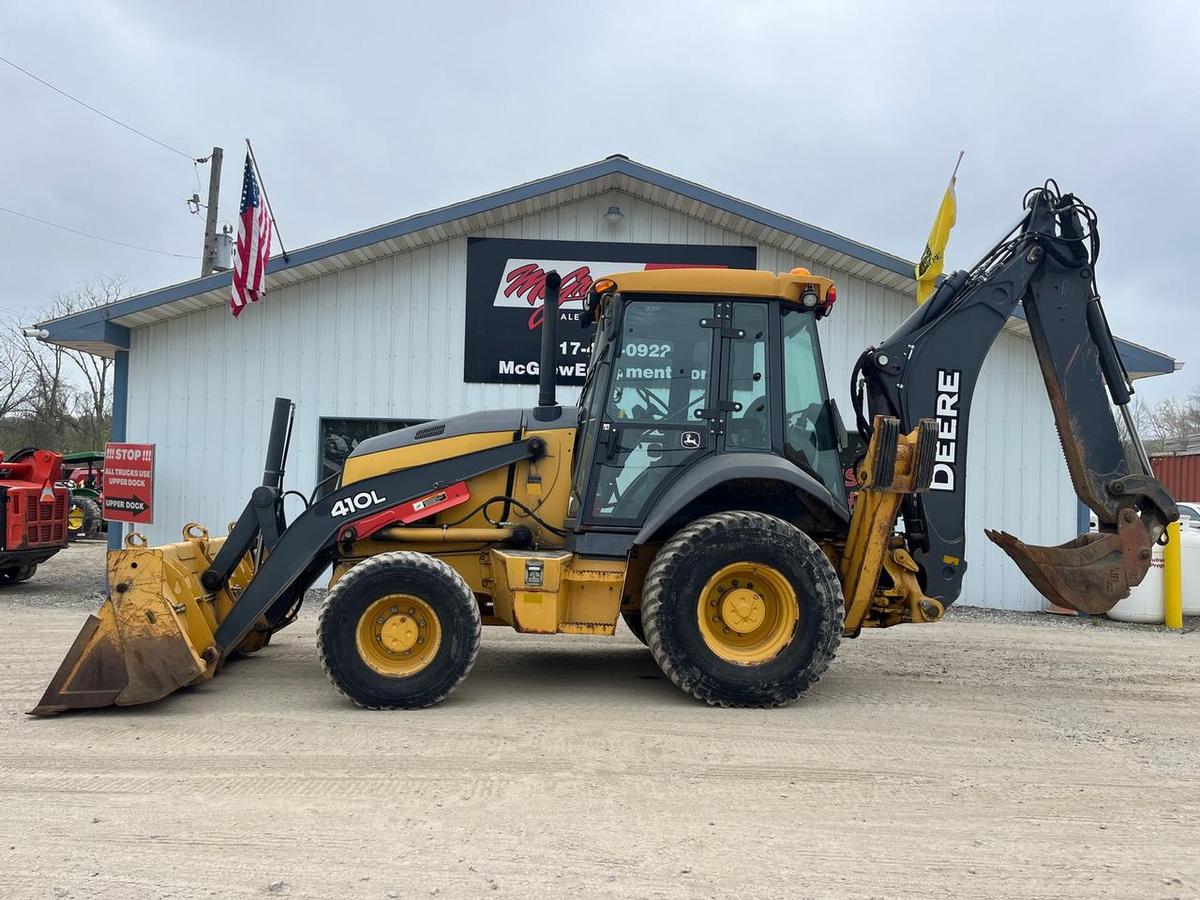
(993, 755)
(71, 579)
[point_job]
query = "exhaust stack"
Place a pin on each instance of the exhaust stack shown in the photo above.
(548, 408)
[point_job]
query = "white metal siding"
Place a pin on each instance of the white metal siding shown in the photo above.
(385, 339)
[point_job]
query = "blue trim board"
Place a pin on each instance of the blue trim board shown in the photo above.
(95, 325)
(120, 413)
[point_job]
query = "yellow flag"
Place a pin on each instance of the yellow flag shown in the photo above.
(930, 266)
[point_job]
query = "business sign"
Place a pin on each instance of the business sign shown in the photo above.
(129, 483)
(506, 286)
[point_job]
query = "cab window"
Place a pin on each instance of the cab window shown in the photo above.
(651, 431)
(661, 372)
(750, 420)
(809, 432)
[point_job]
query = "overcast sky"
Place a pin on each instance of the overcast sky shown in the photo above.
(845, 115)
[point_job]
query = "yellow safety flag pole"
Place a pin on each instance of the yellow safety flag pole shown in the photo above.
(930, 266)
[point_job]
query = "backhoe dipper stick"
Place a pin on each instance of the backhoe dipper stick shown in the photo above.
(928, 369)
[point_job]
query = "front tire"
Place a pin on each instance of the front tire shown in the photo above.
(83, 518)
(17, 574)
(399, 631)
(742, 609)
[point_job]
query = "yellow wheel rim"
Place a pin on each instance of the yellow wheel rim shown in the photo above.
(748, 613)
(398, 635)
(75, 518)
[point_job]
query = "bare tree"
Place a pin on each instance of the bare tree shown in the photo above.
(52, 396)
(92, 402)
(1167, 422)
(15, 381)
(47, 407)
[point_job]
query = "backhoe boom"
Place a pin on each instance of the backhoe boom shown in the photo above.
(929, 367)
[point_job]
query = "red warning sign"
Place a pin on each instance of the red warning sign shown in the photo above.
(129, 483)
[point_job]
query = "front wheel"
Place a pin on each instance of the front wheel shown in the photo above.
(742, 609)
(399, 631)
(84, 518)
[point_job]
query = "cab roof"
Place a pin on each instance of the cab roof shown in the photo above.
(725, 282)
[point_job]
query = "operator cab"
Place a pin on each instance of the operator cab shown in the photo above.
(689, 364)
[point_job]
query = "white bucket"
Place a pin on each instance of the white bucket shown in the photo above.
(1145, 602)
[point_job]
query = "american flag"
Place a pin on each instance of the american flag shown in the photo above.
(253, 245)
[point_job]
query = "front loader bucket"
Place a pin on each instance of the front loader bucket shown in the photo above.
(1089, 574)
(154, 633)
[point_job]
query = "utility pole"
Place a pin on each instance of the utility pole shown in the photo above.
(208, 262)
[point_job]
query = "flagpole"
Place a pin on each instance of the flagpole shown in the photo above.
(953, 174)
(262, 186)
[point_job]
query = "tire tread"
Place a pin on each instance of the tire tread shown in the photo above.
(704, 531)
(382, 561)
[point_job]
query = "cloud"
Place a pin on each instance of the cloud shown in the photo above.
(845, 115)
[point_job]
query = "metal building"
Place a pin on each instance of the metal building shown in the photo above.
(432, 315)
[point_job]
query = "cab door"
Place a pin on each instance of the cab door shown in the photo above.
(661, 414)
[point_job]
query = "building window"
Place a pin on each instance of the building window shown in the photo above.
(339, 437)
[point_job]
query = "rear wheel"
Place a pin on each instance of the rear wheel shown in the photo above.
(742, 609)
(399, 631)
(83, 518)
(17, 574)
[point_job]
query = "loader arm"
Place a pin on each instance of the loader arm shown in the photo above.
(175, 614)
(929, 367)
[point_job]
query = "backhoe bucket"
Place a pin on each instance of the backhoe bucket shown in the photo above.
(154, 633)
(1089, 574)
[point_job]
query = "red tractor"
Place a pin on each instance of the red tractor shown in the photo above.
(33, 512)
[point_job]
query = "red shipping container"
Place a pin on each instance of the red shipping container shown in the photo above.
(1180, 474)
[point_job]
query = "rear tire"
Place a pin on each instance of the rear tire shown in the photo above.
(399, 631)
(633, 621)
(84, 518)
(773, 600)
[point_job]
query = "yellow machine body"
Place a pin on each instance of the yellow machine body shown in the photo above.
(541, 591)
(156, 631)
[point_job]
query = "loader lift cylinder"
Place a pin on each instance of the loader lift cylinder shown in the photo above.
(277, 442)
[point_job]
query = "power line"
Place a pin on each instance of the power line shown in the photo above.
(98, 112)
(95, 237)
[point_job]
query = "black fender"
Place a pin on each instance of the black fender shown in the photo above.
(727, 468)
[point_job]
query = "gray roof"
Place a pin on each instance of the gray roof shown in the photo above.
(105, 329)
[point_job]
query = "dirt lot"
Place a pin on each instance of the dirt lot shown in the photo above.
(976, 758)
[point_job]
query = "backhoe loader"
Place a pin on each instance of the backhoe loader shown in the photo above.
(695, 491)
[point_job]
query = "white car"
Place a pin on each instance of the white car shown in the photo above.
(1190, 509)
(1189, 513)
